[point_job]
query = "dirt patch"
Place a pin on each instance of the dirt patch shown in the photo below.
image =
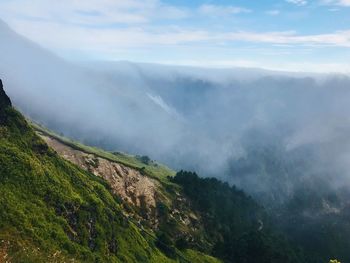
(4, 247)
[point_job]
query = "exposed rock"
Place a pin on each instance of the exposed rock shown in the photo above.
(133, 188)
(4, 99)
(128, 183)
(4, 103)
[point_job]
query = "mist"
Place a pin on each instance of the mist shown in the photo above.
(218, 122)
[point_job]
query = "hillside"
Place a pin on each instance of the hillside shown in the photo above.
(52, 211)
(200, 221)
(306, 204)
(97, 206)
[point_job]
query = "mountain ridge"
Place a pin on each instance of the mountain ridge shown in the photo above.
(4, 99)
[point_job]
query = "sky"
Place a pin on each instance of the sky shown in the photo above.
(292, 35)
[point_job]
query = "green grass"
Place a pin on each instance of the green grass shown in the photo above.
(195, 256)
(53, 211)
(154, 169)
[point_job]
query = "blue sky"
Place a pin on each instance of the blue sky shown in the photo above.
(298, 35)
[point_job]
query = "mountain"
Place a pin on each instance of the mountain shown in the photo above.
(53, 211)
(112, 207)
(78, 101)
(312, 210)
(198, 118)
(281, 137)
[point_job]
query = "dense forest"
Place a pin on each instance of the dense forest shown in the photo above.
(239, 226)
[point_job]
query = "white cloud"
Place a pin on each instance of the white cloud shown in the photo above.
(297, 2)
(158, 100)
(273, 12)
(345, 3)
(107, 27)
(270, 65)
(220, 10)
(110, 39)
(91, 12)
(90, 25)
(106, 39)
(338, 38)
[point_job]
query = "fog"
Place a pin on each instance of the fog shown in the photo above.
(228, 123)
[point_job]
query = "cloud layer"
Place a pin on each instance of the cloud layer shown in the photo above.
(155, 31)
(207, 120)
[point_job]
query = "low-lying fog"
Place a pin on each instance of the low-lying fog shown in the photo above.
(235, 124)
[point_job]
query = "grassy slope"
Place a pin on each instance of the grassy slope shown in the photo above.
(52, 211)
(242, 208)
(155, 170)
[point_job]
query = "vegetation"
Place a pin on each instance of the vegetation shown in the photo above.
(52, 211)
(235, 223)
(299, 197)
(144, 159)
(153, 169)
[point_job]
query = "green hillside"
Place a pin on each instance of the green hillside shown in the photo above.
(52, 211)
(232, 226)
(150, 167)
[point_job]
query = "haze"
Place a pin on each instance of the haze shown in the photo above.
(211, 120)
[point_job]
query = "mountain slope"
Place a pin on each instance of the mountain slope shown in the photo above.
(52, 211)
(222, 218)
(224, 224)
(204, 214)
(314, 209)
(89, 101)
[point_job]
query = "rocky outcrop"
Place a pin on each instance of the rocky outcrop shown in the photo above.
(128, 183)
(4, 99)
(5, 102)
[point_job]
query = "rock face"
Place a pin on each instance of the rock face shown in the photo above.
(4, 99)
(129, 184)
(4, 103)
